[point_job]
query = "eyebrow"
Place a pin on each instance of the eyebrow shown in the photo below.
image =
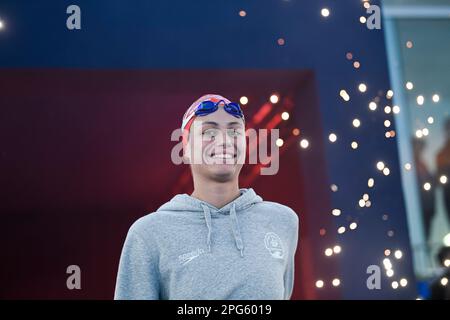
(211, 123)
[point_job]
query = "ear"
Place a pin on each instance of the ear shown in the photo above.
(186, 147)
(187, 152)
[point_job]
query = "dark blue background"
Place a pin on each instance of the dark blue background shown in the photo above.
(211, 35)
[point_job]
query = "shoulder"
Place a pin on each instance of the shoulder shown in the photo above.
(145, 226)
(280, 213)
(281, 210)
(283, 219)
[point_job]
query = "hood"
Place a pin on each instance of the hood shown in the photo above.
(191, 205)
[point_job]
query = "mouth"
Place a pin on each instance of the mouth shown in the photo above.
(223, 157)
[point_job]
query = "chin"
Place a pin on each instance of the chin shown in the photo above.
(223, 172)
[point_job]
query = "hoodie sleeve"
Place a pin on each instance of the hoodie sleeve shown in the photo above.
(138, 275)
(290, 270)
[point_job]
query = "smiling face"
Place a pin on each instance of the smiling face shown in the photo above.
(216, 146)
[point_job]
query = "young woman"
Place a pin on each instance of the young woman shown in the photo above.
(221, 242)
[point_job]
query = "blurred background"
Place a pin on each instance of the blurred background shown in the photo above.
(359, 90)
(417, 34)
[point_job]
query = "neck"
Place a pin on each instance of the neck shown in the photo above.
(216, 193)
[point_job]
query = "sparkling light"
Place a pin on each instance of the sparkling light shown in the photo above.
(446, 240)
(354, 145)
(386, 171)
(336, 282)
(435, 98)
(274, 98)
(390, 273)
(408, 166)
(362, 87)
(398, 254)
(304, 143)
(387, 252)
(341, 230)
(403, 282)
(427, 186)
(370, 183)
(337, 249)
(394, 284)
(380, 165)
(430, 120)
(409, 85)
(1, 24)
(243, 100)
(362, 203)
(387, 263)
(389, 94)
(325, 12)
(336, 212)
(328, 252)
(285, 115)
(443, 179)
(368, 203)
(409, 44)
(425, 131)
(365, 197)
(334, 188)
(444, 281)
(373, 106)
(279, 142)
(319, 284)
(447, 263)
(332, 137)
(387, 123)
(295, 131)
(420, 100)
(396, 109)
(387, 109)
(281, 41)
(353, 225)
(356, 64)
(419, 134)
(344, 95)
(356, 123)
(362, 19)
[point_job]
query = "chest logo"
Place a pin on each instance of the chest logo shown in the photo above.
(188, 257)
(274, 245)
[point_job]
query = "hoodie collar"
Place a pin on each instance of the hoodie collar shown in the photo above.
(187, 203)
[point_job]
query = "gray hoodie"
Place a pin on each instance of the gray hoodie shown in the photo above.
(190, 250)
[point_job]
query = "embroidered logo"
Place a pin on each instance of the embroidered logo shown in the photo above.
(188, 257)
(274, 245)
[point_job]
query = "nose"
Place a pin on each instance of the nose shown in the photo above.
(223, 139)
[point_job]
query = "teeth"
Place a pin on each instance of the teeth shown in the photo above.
(222, 156)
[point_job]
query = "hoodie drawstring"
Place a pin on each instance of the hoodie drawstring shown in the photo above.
(236, 231)
(207, 213)
(234, 226)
